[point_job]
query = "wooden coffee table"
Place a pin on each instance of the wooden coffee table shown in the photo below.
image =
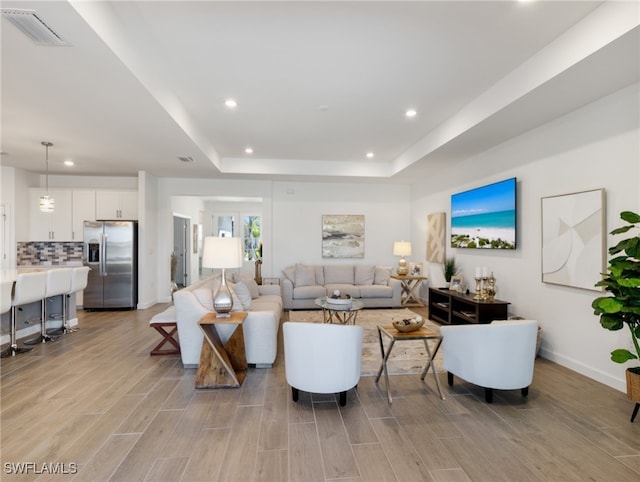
(424, 334)
(222, 366)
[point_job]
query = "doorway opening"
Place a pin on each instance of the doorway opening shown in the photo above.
(180, 259)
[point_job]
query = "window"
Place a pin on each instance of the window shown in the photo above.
(225, 226)
(250, 231)
(252, 238)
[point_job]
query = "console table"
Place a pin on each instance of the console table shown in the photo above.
(221, 365)
(452, 308)
(410, 289)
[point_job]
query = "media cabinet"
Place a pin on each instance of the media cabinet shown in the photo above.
(452, 308)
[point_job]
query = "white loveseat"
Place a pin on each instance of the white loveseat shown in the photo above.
(264, 307)
(373, 285)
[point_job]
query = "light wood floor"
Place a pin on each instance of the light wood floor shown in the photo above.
(96, 399)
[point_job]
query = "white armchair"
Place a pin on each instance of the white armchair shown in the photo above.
(499, 355)
(322, 358)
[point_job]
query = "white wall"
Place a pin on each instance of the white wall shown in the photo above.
(297, 220)
(594, 147)
(147, 187)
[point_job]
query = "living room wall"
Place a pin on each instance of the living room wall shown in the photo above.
(596, 146)
(297, 220)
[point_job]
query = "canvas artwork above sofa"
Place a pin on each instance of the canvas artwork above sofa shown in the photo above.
(372, 284)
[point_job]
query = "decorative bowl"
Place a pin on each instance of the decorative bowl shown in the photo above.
(339, 301)
(408, 325)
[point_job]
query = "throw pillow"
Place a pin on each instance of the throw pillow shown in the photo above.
(382, 275)
(205, 297)
(339, 274)
(244, 295)
(249, 282)
(365, 274)
(305, 275)
(290, 273)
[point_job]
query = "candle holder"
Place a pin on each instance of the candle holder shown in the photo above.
(483, 290)
(478, 294)
(491, 288)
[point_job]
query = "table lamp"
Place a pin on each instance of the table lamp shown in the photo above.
(402, 249)
(222, 253)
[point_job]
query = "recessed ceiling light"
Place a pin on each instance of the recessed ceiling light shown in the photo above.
(231, 103)
(369, 155)
(248, 150)
(68, 163)
(411, 113)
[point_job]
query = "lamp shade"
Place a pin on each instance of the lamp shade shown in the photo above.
(222, 252)
(402, 248)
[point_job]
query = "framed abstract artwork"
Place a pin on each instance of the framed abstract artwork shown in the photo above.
(573, 239)
(343, 236)
(436, 237)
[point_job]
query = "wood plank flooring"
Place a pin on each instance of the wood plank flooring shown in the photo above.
(95, 405)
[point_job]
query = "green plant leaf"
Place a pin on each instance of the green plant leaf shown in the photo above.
(633, 247)
(611, 323)
(629, 282)
(630, 217)
(608, 304)
(621, 355)
(621, 229)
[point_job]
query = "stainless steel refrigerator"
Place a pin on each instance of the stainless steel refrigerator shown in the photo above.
(111, 251)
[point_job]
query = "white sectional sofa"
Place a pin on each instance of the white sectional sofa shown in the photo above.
(373, 285)
(264, 307)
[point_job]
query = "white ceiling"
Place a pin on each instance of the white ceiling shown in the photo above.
(318, 84)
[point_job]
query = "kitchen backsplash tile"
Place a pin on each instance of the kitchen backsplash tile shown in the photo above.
(48, 253)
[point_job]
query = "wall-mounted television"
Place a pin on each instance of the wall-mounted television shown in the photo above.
(485, 217)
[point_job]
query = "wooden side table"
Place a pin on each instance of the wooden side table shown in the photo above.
(410, 289)
(423, 334)
(221, 366)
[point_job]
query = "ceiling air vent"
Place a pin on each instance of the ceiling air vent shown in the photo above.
(185, 159)
(33, 26)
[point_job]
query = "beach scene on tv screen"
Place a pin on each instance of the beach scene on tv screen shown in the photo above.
(485, 217)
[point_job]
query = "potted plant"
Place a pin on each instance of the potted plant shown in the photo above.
(622, 308)
(450, 269)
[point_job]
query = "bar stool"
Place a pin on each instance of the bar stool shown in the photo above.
(79, 279)
(29, 288)
(58, 284)
(5, 299)
(54, 280)
(5, 295)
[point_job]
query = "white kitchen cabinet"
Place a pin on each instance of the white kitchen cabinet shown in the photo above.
(84, 209)
(55, 226)
(117, 205)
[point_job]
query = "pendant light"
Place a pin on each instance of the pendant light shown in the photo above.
(47, 203)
